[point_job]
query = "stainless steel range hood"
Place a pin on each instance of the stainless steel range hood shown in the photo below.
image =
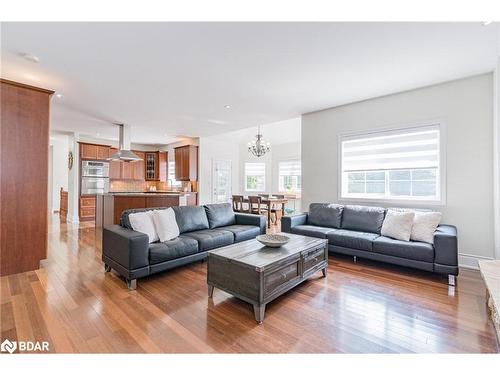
(124, 153)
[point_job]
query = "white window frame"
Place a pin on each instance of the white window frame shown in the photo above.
(245, 176)
(404, 201)
(290, 160)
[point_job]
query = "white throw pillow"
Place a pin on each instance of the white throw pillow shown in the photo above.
(424, 226)
(143, 222)
(165, 224)
(398, 224)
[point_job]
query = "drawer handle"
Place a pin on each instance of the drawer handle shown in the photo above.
(283, 275)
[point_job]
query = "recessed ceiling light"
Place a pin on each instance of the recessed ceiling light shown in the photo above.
(227, 106)
(97, 134)
(486, 23)
(59, 96)
(31, 58)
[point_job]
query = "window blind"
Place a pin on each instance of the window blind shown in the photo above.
(290, 168)
(404, 149)
(255, 169)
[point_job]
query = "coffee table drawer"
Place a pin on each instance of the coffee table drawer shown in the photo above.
(313, 258)
(281, 276)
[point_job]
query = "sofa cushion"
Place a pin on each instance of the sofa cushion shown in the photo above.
(311, 231)
(190, 218)
(404, 249)
(169, 250)
(211, 238)
(143, 222)
(325, 215)
(165, 224)
(352, 239)
(242, 232)
(363, 218)
(220, 215)
(397, 225)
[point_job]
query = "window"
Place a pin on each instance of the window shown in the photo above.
(393, 165)
(255, 176)
(290, 176)
(171, 175)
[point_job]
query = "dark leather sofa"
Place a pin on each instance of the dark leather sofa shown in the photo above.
(202, 228)
(355, 231)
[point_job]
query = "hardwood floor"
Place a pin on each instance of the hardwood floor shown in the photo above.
(362, 307)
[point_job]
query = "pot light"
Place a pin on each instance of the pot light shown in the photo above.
(486, 23)
(227, 106)
(59, 96)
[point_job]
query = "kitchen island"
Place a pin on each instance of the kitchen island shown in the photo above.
(109, 206)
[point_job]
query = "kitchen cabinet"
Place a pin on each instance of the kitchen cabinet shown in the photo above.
(87, 208)
(139, 167)
(156, 166)
(93, 152)
(127, 170)
(110, 206)
(119, 170)
(186, 163)
(115, 172)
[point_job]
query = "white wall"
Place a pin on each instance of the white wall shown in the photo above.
(466, 108)
(58, 171)
(220, 147)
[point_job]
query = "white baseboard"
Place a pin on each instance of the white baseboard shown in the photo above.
(470, 261)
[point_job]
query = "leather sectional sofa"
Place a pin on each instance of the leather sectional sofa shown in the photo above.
(355, 231)
(202, 228)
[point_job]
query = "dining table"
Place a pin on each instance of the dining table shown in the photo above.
(270, 202)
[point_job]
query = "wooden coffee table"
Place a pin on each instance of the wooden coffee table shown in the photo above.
(258, 274)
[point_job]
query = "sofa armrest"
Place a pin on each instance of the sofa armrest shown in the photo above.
(249, 219)
(125, 246)
(446, 245)
(288, 222)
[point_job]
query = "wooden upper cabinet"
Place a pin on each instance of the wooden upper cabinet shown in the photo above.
(163, 166)
(139, 166)
(94, 152)
(103, 152)
(88, 151)
(186, 163)
(114, 166)
(156, 165)
(127, 169)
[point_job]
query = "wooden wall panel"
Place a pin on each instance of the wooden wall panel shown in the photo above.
(24, 141)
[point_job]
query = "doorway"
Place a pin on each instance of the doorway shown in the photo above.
(221, 181)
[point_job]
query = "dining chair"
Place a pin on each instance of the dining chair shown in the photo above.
(238, 203)
(255, 205)
(264, 195)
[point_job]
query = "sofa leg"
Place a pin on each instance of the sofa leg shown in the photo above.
(451, 280)
(107, 268)
(355, 259)
(131, 284)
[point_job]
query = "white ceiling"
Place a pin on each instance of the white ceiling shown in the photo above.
(173, 79)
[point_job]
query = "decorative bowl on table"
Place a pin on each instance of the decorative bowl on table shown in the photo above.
(272, 240)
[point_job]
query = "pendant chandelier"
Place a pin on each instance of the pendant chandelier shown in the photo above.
(259, 147)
